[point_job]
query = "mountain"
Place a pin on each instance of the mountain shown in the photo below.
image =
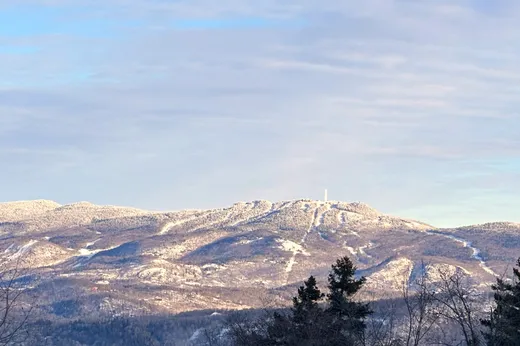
(84, 260)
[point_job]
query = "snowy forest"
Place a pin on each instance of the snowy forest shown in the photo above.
(444, 308)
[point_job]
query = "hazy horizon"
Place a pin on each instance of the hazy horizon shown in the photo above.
(408, 106)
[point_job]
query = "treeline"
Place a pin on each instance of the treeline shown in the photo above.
(440, 307)
(158, 330)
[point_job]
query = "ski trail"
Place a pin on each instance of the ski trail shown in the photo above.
(292, 260)
(270, 212)
(361, 249)
(467, 244)
(251, 207)
(228, 218)
(319, 219)
(223, 220)
(343, 221)
(168, 226)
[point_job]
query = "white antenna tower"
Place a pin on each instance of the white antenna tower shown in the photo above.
(325, 195)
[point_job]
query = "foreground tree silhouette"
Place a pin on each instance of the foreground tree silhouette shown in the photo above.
(315, 319)
(305, 305)
(504, 322)
(305, 326)
(347, 324)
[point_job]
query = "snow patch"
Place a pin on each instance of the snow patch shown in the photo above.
(91, 252)
(87, 245)
(288, 245)
(213, 266)
(360, 250)
(248, 241)
(351, 250)
(196, 335)
(170, 225)
(23, 249)
(9, 248)
(393, 275)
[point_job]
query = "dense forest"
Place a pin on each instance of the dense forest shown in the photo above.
(443, 308)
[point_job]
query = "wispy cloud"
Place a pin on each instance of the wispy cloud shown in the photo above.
(407, 105)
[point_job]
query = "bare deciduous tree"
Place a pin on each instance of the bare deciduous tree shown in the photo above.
(382, 329)
(457, 299)
(439, 307)
(14, 311)
(421, 309)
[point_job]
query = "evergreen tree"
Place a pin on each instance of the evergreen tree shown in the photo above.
(504, 323)
(307, 316)
(338, 322)
(302, 327)
(347, 317)
(342, 277)
(305, 305)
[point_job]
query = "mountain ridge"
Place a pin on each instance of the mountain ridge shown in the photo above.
(217, 258)
(50, 205)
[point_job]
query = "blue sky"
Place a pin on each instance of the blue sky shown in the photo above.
(409, 106)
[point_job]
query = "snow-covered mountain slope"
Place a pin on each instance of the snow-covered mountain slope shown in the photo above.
(230, 257)
(21, 210)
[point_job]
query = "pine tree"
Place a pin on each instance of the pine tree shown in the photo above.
(504, 323)
(342, 277)
(347, 324)
(305, 305)
(307, 316)
(339, 322)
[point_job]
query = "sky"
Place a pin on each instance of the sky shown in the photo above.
(410, 106)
